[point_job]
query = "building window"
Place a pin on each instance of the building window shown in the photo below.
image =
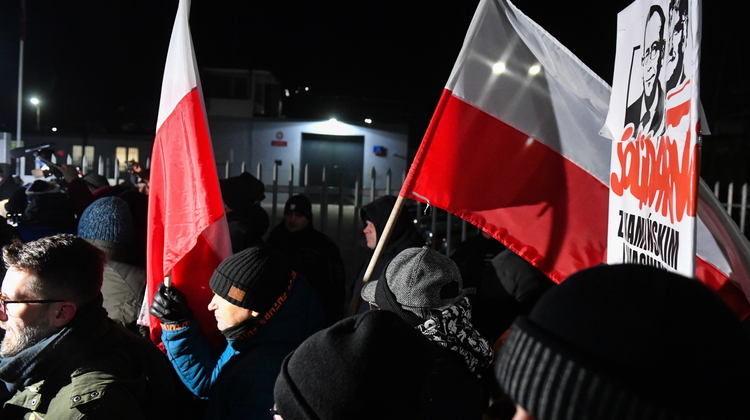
(88, 151)
(126, 154)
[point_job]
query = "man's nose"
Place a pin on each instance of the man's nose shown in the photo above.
(212, 305)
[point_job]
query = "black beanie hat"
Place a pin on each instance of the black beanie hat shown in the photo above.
(252, 279)
(241, 192)
(299, 204)
(373, 366)
(628, 341)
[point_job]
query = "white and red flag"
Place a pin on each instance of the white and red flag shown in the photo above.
(514, 148)
(188, 234)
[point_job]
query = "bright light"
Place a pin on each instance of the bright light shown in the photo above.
(368, 121)
(333, 120)
(535, 69)
(34, 101)
(498, 68)
(286, 92)
(529, 141)
(54, 128)
(307, 89)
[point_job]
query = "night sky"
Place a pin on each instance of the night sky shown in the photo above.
(98, 65)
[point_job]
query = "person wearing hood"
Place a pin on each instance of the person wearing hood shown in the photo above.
(404, 235)
(263, 308)
(313, 254)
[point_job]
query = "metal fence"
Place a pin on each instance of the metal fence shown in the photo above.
(737, 209)
(337, 207)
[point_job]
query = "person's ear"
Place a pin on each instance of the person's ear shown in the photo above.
(64, 314)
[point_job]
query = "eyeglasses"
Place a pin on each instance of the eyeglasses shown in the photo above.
(653, 51)
(4, 302)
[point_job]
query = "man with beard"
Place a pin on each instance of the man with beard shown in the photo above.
(61, 357)
(647, 112)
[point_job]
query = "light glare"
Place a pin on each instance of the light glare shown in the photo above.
(498, 68)
(535, 69)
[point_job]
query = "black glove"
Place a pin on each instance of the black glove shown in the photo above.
(170, 305)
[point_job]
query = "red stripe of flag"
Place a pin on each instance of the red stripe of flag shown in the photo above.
(188, 235)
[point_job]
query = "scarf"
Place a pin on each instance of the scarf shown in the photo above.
(452, 329)
(34, 363)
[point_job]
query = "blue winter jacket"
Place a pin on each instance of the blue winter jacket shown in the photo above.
(239, 381)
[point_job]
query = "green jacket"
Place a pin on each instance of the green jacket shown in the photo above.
(91, 395)
(92, 369)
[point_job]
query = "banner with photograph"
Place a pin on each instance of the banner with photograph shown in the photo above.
(654, 123)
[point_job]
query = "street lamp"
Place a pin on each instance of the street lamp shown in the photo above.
(36, 103)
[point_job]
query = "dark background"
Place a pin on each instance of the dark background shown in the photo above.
(97, 65)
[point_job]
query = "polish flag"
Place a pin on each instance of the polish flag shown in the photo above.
(514, 148)
(188, 234)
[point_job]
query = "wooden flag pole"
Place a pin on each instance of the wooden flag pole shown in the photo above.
(382, 240)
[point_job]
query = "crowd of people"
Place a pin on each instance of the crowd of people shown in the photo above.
(481, 334)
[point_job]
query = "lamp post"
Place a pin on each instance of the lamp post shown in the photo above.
(36, 103)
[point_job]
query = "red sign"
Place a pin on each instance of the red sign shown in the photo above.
(278, 143)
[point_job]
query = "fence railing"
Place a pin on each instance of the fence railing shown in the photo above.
(442, 230)
(736, 210)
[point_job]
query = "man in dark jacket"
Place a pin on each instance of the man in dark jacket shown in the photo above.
(263, 308)
(61, 357)
(375, 216)
(313, 254)
(424, 288)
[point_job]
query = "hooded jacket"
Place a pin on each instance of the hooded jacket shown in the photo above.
(403, 236)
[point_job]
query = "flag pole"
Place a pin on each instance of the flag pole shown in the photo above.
(382, 240)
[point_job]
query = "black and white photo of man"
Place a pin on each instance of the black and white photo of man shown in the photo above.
(678, 31)
(647, 112)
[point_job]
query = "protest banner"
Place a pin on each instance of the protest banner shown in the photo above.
(654, 122)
